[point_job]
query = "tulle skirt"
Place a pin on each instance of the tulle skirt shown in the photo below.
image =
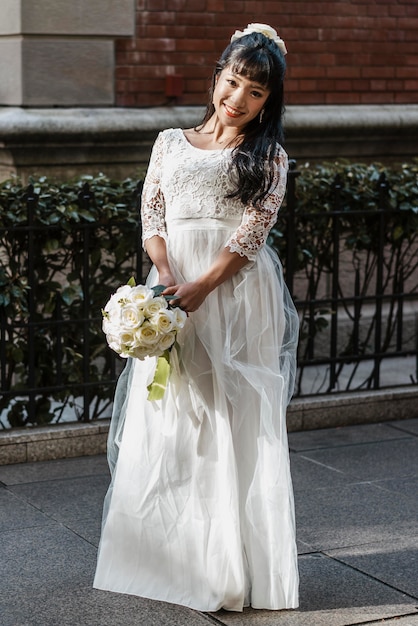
(200, 509)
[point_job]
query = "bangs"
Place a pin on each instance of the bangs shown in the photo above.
(255, 65)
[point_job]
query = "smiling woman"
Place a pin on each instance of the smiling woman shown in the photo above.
(237, 101)
(200, 509)
(253, 68)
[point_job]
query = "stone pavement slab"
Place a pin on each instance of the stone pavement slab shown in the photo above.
(357, 523)
(16, 513)
(394, 563)
(47, 575)
(353, 515)
(408, 426)
(66, 500)
(331, 595)
(406, 486)
(347, 435)
(377, 460)
(307, 474)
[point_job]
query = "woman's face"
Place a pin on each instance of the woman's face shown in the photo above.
(238, 100)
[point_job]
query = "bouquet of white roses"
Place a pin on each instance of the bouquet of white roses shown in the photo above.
(139, 322)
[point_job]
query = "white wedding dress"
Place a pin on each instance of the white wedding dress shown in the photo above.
(200, 509)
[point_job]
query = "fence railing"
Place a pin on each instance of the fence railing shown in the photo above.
(357, 307)
(54, 362)
(356, 292)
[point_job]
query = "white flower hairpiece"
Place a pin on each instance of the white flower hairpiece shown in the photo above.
(264, 29)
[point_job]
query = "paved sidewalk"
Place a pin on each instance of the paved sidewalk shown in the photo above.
(356, 492)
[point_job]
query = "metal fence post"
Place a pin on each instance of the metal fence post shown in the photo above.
(85, 199)
(293, 173)
(31, 199)
(383, 190)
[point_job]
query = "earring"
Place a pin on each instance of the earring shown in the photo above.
(261, 115)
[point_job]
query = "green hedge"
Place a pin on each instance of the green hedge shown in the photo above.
(359, 193)
(359, 227)
(113, 217)
(60, 216)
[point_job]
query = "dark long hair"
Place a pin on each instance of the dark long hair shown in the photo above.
(259, 59)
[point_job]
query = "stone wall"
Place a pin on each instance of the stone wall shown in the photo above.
(64, 143)
(56, 53)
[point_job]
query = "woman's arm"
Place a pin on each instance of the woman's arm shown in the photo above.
(157, 251)
(243, 245)
(191, 295)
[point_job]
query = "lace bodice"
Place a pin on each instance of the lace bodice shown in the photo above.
(187, 182)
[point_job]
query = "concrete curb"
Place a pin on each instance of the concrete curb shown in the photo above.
(349, 409)
(79, 439)
(46, 443)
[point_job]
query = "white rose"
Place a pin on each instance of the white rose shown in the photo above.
(114, 342)
(119, 298)
(112, 308)
(140, 352)
(167, 341)
(146, 335)
(127, 342)
(122, 293)
(141, 295)
(131, 317)
(180, 317)
(157, 304)
(127, 338)
(265, 30)
(108, 326)
(163, 321)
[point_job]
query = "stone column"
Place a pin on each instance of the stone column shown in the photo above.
(61, 52)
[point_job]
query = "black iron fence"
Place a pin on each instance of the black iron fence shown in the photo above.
(54, 362)
(357, 303)
(356, 289)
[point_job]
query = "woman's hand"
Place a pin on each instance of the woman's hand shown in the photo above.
(189, 295)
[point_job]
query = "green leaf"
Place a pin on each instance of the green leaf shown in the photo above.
(131, 282)
(86, 215)
(71, 293)
(398, 232)
(51, 245)
(158, 289)
(16, 415)
(157, 388)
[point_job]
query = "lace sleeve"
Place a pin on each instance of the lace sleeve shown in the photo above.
(257, 222)
(152, 201)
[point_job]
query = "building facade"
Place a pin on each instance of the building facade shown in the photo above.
(86, 86)
(339, 52)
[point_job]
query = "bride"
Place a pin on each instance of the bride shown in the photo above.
(200, 508)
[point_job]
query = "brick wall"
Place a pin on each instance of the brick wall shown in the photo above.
(340, 51)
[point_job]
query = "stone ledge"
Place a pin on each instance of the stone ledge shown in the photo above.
(299, 120)
(379, 118)
(68, 142)
(77, 439)
(32, 122)
(349, 409)
(53, 442)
